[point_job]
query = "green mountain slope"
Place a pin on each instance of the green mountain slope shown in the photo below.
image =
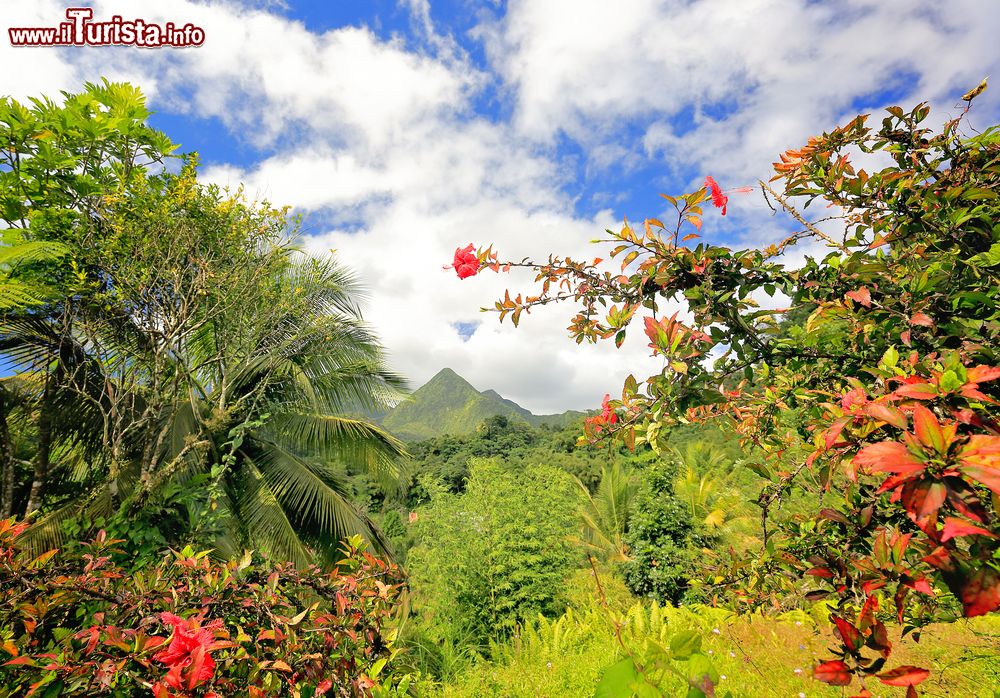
(449, 404)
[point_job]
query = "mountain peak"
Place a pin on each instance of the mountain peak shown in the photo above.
(445, 374)
(449, 404)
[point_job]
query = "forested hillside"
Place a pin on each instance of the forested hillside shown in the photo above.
(448, 405)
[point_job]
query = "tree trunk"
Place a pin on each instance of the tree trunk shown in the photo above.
(44, 447)
(6, 462)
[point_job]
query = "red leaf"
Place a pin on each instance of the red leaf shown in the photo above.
(834, 515)
(834, 673)
(904, 676)
(879, 639)
(862, 296)
(927, 428)
(823, 572)
(965, 500)
(940, 559)
(872, 585)
(888, 456)
(833, 433)
(921, 585)
(887, 414)
(867, 615)
(923, 498)
(894, 482)
(922, 319)
(980, 594)
(850, 635)
(954, 527)
(20, 660)
(982, 374)
(980, 460)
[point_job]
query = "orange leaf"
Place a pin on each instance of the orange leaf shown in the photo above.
(862, 296)
(834, 673)
(982, 374)
(887, 414)
(955, 527)
(889, 457)
(904, 676)
(927, 428)
(980, 460)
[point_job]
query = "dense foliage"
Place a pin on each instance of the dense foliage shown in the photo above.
(498, 553)
(882, 404)
(664, 545)
(187, 357)
(80, 625)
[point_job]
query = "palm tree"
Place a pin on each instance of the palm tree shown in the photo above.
(605, 513)
(20, 288)
(17, 290)
(220, 358)
(710, 497)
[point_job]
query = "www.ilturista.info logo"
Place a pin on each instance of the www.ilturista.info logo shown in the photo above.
(81, 30)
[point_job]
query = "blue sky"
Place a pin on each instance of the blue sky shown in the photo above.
(402, 129)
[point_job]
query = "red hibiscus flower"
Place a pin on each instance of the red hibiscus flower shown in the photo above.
(607, 413)
(188, 653)
(466, 262)
(719, 200)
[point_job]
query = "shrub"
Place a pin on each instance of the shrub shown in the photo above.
(498, 553)
(76, 624)
(663, 543)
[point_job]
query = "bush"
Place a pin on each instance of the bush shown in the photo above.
(76, 624)
(498, 553)
(664, 544)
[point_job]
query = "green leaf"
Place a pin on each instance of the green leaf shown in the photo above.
(890, 358)
(617, 680)
(685, 643)
(990, 258)
(703, 674)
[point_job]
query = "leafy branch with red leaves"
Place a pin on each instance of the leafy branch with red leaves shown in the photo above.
(875, 390)
(76, 624)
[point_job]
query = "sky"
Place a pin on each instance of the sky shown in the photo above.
(403, 129)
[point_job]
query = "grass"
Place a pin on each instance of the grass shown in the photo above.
(759, 656)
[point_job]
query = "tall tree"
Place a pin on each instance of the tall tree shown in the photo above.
(60, 165)
(193, 345)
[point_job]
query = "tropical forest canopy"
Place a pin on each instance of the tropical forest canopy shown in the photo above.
(213, 483)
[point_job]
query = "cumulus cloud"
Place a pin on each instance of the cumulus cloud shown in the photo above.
(726, 84)
(386, 144)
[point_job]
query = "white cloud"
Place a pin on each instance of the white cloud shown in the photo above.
(387, 130)
(727, 84)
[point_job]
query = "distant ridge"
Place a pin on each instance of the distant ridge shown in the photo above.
(449, 404)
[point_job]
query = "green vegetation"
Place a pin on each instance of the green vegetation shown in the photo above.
(185, 344)
(448, 405)
(496, 554)
(183, 426)
(759, 656)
